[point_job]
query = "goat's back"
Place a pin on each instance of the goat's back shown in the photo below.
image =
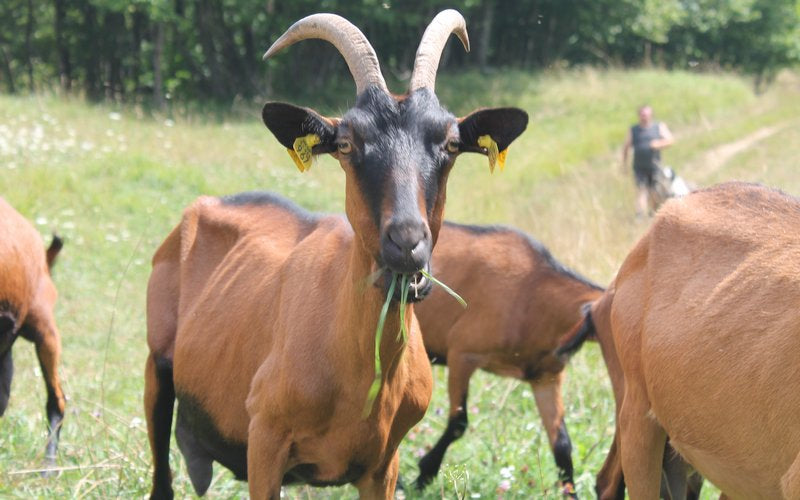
(519, 298)
(706, 306)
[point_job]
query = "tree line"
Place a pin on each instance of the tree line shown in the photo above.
(154, 50)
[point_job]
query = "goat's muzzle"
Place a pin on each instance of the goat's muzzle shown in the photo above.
(406, 246)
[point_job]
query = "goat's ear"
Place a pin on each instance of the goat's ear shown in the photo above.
(491, 131)
(302, 131)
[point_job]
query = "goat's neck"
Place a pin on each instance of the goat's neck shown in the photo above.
(361, 302)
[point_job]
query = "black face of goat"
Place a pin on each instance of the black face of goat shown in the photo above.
(396, 151)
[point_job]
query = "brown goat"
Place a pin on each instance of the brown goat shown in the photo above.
(678, 480)
(521, 301)
(702, 315)
(27, 297)
(262, 317)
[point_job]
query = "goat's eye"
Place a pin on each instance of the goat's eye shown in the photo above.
(452, 146)
(344, 147)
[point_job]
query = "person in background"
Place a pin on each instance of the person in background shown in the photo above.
(647, 138)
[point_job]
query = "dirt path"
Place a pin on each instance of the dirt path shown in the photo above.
(716, 158)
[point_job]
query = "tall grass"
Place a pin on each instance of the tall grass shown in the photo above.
(114, 183)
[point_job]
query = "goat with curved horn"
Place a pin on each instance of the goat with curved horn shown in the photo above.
(432, 44)
(348, 40)
(304, 387)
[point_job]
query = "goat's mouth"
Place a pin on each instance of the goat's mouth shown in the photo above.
(418, 285)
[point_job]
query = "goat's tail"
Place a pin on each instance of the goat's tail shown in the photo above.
(580, 333)
(53, 250)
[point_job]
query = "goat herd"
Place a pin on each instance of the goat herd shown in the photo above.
(699, 329)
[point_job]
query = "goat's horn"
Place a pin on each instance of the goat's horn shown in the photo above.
(349, 40)
(430, 48)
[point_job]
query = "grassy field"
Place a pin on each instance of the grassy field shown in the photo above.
(113, 183)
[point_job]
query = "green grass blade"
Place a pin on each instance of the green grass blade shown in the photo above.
(405, 283)
(445, 287)
(376, 382)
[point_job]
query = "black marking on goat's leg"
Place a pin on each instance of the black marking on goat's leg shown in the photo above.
(162, 425)
(6, 374)
(694, 485)
(562, 451)
(54, 418)
(429, 464)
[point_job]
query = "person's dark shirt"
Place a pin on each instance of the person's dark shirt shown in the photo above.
(644, 156)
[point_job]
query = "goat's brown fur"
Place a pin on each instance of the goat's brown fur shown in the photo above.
(27, 298)
(520, 303)
(703, 315)
(204, 278)
(262, 317)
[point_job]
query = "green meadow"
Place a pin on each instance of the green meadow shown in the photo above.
(114, 181)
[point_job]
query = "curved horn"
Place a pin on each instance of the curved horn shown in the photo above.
(349, 40)
(432, 44)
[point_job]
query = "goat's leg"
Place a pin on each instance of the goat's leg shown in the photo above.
(380, 484)
(6, 374)
(460, 369)
(551, 411)
(675, 475)
(610, 485)
(642, 441)
(694, 486)
(159, 401)
(267, 457)
(40, 328)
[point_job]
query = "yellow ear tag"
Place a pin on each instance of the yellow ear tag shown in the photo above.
(495, 157)
(301, 151)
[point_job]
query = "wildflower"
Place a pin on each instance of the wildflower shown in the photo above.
(507, 472)
(504, 486)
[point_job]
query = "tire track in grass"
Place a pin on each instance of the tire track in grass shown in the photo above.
(715, 158)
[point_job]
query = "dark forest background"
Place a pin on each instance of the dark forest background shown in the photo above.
(151, 51)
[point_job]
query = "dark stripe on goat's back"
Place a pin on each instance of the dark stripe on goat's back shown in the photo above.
(262, 198)
(535, 246)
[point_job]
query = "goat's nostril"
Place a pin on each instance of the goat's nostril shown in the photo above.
(407, 238)
(418, 248)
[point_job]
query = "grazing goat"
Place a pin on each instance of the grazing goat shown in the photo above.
(521, 301)
(27, 297)
(262, 317)
(704, 321)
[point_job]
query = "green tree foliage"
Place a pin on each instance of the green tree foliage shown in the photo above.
(156, 50)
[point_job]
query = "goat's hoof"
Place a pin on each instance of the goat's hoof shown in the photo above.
(48, 468)
(422, 482)
(568, 490)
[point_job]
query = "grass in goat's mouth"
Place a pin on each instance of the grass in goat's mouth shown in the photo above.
(405, 286)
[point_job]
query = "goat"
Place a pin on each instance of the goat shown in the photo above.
(261, 320)
(521, 301)
(702, 315)
(678, 480)
(27, 298)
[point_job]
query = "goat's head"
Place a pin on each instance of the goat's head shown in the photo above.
(396, 151)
